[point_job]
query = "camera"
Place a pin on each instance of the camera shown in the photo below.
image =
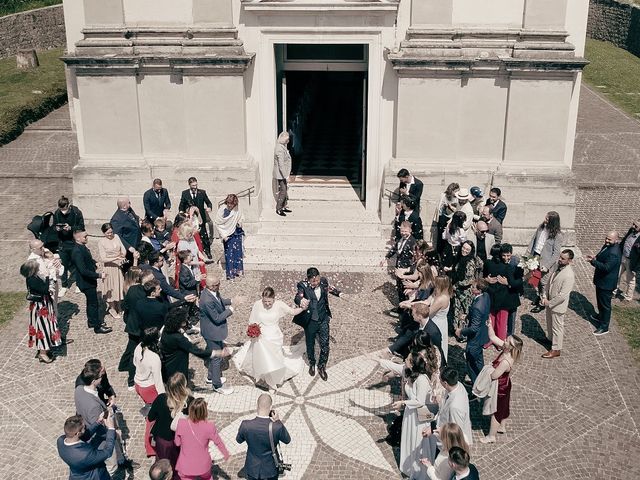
(282, 467)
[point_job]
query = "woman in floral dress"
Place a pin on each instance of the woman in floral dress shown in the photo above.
(43, 325)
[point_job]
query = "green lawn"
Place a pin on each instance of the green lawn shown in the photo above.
(615, 73)
(10, 303)
(26, 96)
(8, 7)
(628, 319)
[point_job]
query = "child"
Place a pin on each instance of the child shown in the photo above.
(459, 463)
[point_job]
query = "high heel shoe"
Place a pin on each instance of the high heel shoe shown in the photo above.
(45, 359)
(486, 440)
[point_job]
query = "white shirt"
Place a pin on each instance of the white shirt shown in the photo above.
(148, 369)
(540, 241)
(90, 390)
(318, 292)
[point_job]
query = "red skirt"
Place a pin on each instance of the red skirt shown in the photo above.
(148, 395)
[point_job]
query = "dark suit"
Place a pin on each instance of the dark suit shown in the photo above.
(75, 220)
(151, 312)
(167, 290)
(200, 200)
(155, 203)
(87, 282)
(477, 333)
(605, 278)
(175, 349)
(132, 328)
(404, 252)
(126, 224)
(214, 312)
(498, 210)
(318, 315)
(259, 463)
(415, 190)
(414, 219)
(86, 459)
(187, 281)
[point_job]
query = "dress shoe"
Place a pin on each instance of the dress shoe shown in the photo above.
(551, 354)
(103, 329)
(312, 370)
(323, 373)
(286, 210)
(600, 331)
(281, 213)
(537, 309)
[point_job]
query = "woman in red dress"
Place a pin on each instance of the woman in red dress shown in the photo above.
(180, 219)
(511, 350)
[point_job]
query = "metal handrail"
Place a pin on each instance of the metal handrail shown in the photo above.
(243, 193)
(392, 196)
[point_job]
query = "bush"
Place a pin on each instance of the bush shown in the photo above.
(29, 95)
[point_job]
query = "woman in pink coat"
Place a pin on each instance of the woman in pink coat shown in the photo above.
(193, 436)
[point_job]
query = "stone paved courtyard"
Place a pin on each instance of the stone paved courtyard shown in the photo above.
(573, 417)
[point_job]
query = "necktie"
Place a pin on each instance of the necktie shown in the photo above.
(193, 195)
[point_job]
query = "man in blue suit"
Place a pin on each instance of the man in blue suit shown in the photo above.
(84, 457)
(476, 330)
(214, 311)
(126, 224)
(156, 201)
(260, 463)
(605, 278)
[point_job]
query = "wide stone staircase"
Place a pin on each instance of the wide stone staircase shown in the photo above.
(329, 229)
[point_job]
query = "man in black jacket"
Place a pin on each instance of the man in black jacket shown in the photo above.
(66, 220)
(87, 280)
(195, 196)
(151, 311)
(126, 224)
(260, 463)
(605, 278)
(411, 186)
(156, 201)
(156, 260)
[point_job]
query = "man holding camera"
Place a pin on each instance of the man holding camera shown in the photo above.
(262, 435)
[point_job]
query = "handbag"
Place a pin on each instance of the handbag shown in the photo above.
(32, 297)
(280, 465)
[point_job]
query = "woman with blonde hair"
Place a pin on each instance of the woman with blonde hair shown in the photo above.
(511, 350)
(193, 436)
(450, 436)
(167, 409)
(187, 241)
(438, 303)
(282, 172)
(228, 220)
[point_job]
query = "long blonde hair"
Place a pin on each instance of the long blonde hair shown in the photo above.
(185, 229)
(132, 277)
(177, 393)
(451, 436)
(513, 345)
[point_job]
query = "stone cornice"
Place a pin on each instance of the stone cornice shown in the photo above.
(408, 65)
(324, 6)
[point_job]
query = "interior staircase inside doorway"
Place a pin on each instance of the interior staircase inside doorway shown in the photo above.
(328, 228)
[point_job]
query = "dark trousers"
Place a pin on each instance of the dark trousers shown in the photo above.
(255, 478)
(283, 197)
(93, 310)
(215, 363)
(126, 361)
(402, 343)
(65, 258)
(603, 297)
(318, 329)
(475, 362)
(511, 322)
(206, 242)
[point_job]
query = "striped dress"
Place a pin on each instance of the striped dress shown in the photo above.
(43, 324)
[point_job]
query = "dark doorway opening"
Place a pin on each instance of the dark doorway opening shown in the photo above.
(326, 117)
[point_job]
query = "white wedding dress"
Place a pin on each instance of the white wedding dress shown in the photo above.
(265, 358)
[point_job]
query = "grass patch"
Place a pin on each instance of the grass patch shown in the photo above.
(614, 72)
(19, 105)
(8, 7)
(628, 319)
(10, 303)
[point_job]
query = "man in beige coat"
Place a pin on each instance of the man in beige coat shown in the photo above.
(557, 286)
(281, 173)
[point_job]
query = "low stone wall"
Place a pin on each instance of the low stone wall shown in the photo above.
(41, 29)
(617, 22)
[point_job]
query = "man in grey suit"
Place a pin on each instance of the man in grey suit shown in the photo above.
(482, 241)
(214, 311)
(260, 462)
(495, 227)
(86, 458)
(281, 173)
(557, 286)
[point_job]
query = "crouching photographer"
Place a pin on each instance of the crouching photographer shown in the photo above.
(262, 435)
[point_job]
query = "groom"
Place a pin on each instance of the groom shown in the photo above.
(313, 294)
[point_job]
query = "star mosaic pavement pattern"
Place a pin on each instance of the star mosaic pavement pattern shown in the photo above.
(571, 417)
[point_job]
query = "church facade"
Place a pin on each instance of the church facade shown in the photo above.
(479, 92)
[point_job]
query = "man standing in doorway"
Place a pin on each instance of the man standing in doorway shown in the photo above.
(282, 172)
(198, 197)
(605, 278)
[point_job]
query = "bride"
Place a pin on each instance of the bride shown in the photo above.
(265, 358)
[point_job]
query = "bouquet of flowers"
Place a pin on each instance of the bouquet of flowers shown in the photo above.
(253, 330)
(529, 264)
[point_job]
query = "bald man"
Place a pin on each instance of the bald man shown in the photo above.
(482, 240)
(260, 463)
(126, 224)
(214, 311)
(605, 278)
